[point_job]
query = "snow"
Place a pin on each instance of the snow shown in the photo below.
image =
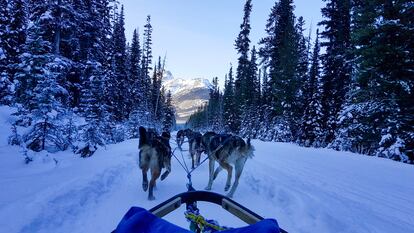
(185, 85)
(305, 189)
(188, 94)
(2, 56)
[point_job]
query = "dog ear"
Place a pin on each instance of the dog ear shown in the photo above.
(142, 131)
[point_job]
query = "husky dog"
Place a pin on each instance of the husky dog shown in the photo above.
(154, 155)
(228, 150)
(181, 134)
(194, 142)
(205, 141)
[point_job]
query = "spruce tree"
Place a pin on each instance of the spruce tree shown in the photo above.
(336, 62)
(243, 68)
(229, 104)
(169, 114)
(41, 93)
(146, 63)
(5, 80)
(135, 72)
(93, 109)
(16, 35)
(281, 57)
(311, 122)
(301, 74)
(250, 116)
(120, 69)
(376, 118)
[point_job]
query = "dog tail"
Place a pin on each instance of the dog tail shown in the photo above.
(143, 140)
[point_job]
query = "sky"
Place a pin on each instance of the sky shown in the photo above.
(197, 36)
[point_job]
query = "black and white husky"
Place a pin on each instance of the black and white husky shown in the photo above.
(181, 134)
(154, 155)
(195, 148)
(227, 150)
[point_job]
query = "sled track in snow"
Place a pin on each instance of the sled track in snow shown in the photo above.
(65, 208)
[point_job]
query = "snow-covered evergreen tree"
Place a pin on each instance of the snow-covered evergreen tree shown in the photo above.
(376, 118)
(120, 78)
(43, 99)
(93, 109)
(243, 67)
(336, 62)
(229, 104)
(146, 64)
(311, 128)
(280, 55)
(135, 72)
(169, 114)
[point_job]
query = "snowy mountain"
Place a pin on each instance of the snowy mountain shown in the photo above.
(188, 94)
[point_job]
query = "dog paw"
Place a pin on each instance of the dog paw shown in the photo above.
(230, 195)
(163, 176)
(207, 188)
(151, 198)
(227, 188)
(145, 186)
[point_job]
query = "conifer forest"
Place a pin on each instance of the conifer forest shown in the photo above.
(350, 88)
(77, 83)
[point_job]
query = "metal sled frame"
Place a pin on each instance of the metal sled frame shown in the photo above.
(191, 197)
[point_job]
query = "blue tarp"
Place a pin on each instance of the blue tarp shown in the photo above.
(139, 220)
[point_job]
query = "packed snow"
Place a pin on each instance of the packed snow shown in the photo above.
(306, 190)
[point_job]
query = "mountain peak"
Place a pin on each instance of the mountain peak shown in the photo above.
(188, 94)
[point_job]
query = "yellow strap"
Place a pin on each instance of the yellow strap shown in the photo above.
(201, 222)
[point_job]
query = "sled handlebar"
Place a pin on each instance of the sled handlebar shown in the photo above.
(192, 197)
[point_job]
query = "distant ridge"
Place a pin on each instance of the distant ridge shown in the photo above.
(188, 94)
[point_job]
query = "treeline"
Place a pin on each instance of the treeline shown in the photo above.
(356, 95)
(76, 82)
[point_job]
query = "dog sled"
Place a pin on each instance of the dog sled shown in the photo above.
(150, 221)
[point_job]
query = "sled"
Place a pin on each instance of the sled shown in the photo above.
(150, 221)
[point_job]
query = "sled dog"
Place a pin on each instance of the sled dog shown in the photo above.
(181, 134)
(154, 155)
(194, 143)
(228, 150)
(205, 141)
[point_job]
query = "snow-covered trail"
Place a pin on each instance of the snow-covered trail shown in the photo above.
(306, 190)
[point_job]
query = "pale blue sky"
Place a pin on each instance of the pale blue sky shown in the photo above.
(198, 35)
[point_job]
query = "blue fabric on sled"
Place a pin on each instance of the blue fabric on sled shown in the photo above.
(139, 220)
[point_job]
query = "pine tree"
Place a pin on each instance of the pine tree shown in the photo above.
(301, 74)
(16, 36)
(280, 55)
(311, 123)
(93, 109)
(135, 72)
(243, 68)
(255, 77)
(376, 119)
(336, 62)
(265, 51)
(229, 106)
(120, 69)
(146, 63)
(5, 79)
(250, 118)
(41, 99)
(169, 114)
